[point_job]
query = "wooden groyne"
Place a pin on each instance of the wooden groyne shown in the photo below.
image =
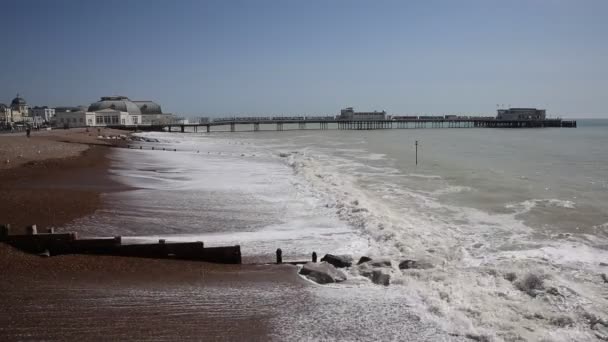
(51, 243)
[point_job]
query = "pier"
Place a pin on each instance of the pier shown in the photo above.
(324, 123)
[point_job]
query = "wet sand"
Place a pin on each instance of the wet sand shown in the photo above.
(112, 298)
(116, 298)
(61, 183)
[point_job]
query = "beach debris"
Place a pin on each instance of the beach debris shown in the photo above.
(322, 273)
(339, 261)
(284, 155)
(44, 254)
(314, 256)
(531, 284)
(604, 277)
(363, 259)
(414, 264)
(603, 263)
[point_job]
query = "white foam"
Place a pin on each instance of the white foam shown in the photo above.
(379, 215)
(466, 292)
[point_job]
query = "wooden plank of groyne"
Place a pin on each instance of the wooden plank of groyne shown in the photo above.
(178, 250)
(96, 245)
(54, 243)
(223, 255)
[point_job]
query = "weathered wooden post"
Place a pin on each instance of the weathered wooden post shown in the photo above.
(141, 147)
(31, 230)
(416, 152)
(279, 256)
(314, 256)
(5, 230)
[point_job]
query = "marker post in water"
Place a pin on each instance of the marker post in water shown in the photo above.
(416, 152)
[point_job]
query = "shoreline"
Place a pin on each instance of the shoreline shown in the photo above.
(56, 298)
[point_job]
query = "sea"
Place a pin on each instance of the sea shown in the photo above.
(511, 223)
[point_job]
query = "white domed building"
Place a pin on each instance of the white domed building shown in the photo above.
(114, 111)
(16, 113)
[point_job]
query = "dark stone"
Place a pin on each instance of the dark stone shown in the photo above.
(562, 321)
(532, 284)
(380, 263)
(363, 259)
(413, 264)
(511, 276)
(553, 291)
(339, 261)
(322, 273)
(380, 278)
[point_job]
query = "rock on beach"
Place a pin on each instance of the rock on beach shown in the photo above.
(322, 273)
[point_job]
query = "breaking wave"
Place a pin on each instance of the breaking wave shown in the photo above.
(481, 261)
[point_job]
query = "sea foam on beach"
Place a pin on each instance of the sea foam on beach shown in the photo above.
(309, 192)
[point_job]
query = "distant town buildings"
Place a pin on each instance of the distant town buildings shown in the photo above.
(513, 114)
(349, 114)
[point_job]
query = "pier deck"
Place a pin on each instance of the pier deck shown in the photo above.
(326, 124)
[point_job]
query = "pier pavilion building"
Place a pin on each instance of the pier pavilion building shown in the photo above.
(518, 114)
(349, 114)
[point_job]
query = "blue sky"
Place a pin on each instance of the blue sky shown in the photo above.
(310, 57)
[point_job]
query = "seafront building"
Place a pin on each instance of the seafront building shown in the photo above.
(16, 113)
(349, 114)
(513, 114)
(113, 111)
(42, 115)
